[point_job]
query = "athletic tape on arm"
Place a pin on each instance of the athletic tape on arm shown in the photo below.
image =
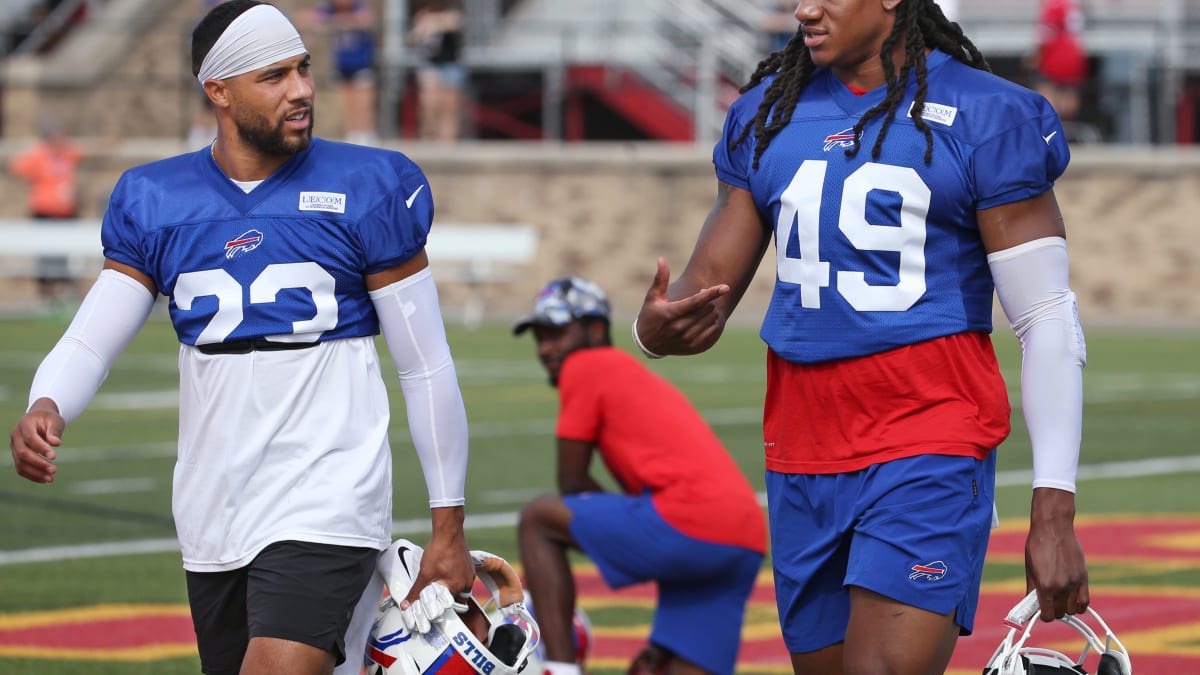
(411, 319)
(1032, 284)
(110, 316)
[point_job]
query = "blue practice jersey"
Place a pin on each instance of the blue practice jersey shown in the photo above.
(874, 254)
(285, 262)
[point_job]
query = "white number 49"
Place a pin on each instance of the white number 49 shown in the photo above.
(799, 221)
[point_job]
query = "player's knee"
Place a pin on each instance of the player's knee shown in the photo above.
(539, 514)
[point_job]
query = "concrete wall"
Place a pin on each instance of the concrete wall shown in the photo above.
(607, 211)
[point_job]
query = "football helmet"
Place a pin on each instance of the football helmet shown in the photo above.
(451, 647)
(1012, 657)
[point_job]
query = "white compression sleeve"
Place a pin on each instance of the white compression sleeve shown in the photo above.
(1032, 284)
(108, 319)
(411, 319)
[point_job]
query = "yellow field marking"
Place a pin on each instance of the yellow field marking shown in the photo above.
(148, 653)
(1099, 560)
(751, 630)
(743, 667)
(593, 602)
(1020, 524)
(54, 617)
(1016, 587)
(1184, 541)
(1174, 640)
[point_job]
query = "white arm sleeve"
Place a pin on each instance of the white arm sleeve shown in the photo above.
(411, 319)
(1032, 284)
(111, 314)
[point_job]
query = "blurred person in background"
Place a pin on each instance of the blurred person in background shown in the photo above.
(778, 22)
(436, 33)
(49, 166)
(1059, 61)
(350, 26)
(686, 517)
(203, 128)
(903, 184)
(282, 256)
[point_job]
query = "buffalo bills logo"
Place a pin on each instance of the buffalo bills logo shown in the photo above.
(842, 139)
(377, 647)
(933, 571)
(243, 243)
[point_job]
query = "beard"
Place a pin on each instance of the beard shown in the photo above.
(268, 138)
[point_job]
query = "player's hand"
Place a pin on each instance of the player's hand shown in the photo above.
(430, 605)
(443, 581)
(1054, 562)
(688, 325)
(34, 439)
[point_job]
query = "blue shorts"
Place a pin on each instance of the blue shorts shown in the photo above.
(914, 530)
(702, 587)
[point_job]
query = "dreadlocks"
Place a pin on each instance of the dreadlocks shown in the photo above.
(920, 23)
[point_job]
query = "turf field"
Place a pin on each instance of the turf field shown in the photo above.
(90, 580)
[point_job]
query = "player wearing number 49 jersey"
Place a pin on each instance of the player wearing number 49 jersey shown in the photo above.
(902, 184)
(281, 257)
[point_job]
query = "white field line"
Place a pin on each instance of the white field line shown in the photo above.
(1099, 388)
(1143, 467)
(115, 486)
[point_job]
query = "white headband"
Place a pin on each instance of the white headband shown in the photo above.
(260, 36)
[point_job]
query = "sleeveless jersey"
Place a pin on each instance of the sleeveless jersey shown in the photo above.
(877, 253)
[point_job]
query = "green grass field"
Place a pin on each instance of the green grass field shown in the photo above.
(113, 486)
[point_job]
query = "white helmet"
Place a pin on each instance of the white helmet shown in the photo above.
(1014, 658)
(451, 647)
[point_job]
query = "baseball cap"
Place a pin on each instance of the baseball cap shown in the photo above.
(562, 301)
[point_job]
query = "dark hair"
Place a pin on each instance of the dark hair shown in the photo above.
(922, 26)
(209, 30)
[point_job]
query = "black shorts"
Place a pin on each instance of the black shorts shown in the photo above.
(293, 590)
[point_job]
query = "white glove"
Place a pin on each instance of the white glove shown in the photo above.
(431, 604)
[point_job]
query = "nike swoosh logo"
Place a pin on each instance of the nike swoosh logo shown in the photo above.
(1044, 138)
(400, 551)
(413, 197)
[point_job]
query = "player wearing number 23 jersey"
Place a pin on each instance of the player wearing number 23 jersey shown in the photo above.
(878, 253)
(284, 263)
(281, 257)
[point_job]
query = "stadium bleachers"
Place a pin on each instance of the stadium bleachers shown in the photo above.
(126, 66)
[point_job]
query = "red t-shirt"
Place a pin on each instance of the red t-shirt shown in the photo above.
(940, 397)
(1061, 58)
(50, 171)
(652, 439)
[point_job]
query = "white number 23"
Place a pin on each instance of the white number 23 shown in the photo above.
(266, 286)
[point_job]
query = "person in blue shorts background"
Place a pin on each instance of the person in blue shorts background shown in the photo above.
(686, 518)
(350, 25)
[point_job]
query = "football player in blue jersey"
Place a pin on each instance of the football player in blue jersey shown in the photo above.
(902, 183)
(281, 257)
